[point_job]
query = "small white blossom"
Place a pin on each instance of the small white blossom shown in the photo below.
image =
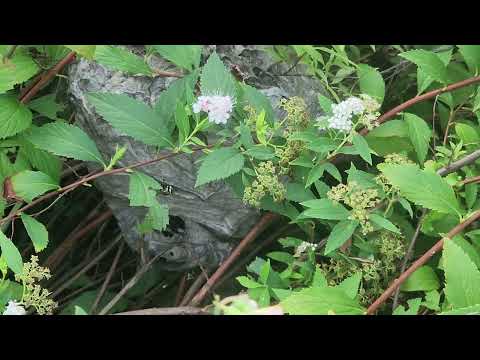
(343, 112)
(304, 246)
(218, 108)
(13, 308)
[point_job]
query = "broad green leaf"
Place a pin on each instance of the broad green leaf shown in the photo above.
(362, 147)
(184, 56)
(321, 301)
(319, 279)
(419, 134)
(141, 190)
(67, 140)
(261, 128)
(341, 232)
(157, 218)
(471, 54)
(248, 283)
(469, 310)
(423, 80)
(424, 188)
(259, 101)
(432, 300)
(132, 117)
(325, 104)
(315, 173)
(29, 184)
(383, 223)
(406, 205)
(281, 256)
(182, 121)
(467, 134)
(87, 51)
(413, 307)
(47, 106)
(260, 152)
(36, 231)
(246, 136)
(219, 164)
(14, 116)
(10, 254)
(350, 285)
(371, 82)
(468, 249)
(216, 79)
(429, 62)
(423, 279)
(297, 192)
(324, 209)
(461, 275)
(476, 101)
(7, 76)
(79, 311)
(332, 170)
(180, 90)
(117, 58)
(16, 70)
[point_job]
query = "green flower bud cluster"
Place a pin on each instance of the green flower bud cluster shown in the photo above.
(290, 152)
(34, 295)
(267, 182)
(297, 114)
(394, 159)
(360, 200)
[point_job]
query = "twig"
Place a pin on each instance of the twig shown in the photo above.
(469, 180)
(47, 77)
(251, 236)
(199, 281)
(88, 266)
(10, 53)
(421, 261)
(452, 167)
(182, 310)
(108, 278)
(129, 285)
(161, 73)
(409, 254)
(181, 289)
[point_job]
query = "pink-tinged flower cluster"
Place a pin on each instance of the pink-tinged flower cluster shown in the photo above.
(219, 108)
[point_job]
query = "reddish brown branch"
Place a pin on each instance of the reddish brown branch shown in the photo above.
(252, 235)
(46, 77)
(470, 180)
(181, 289)
(420, 262)
(184, 310)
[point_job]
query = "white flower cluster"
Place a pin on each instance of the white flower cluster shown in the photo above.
(304, 246)
(219, 108)
(342, 113)
(13, 308)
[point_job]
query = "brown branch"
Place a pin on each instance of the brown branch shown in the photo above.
(161, 73)
(47, 77)
(199, 281)
(467, 160)
(181, 288)
(182, 310)
(469, 180)
(86, 179)
(251, 236)
(420, 262)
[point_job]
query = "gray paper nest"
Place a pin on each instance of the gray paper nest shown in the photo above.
(205, 222)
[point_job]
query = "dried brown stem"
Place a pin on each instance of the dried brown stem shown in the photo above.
(199, 281)
(182, 310)
(420, 262)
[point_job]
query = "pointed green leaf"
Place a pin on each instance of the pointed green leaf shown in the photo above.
(141, 189)
(36, 231)
(47, 106)
(423, 279)
(324, 209)
(429, 62)
(350, 285)
(419, 134)
(216, 79)
(471, 54)
(29, 184)
(341, 232)
(362, 147)
(371, 82)
(14, 116)
(66, 140)
(383, 223)
(10, 254)
(184, 56)
(117, 58)
(87, 51)
(219, 164)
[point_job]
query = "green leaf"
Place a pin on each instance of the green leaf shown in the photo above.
(297, 192)
(467, 134)
(362, 147)
(87, 51)
(16, 70)
(371, 82)
(132, 117)
(29, 184)
(157, 218)
(468, 249)
(406, 205)
(14, 116)
(47, 106)
(141, 190)
(67, 140)
(432, 300)
(429, 62)
(413, 307)
(321, 301)
(350, 285)
(216, 79)
(383, 223)
(182, 121)
(260, 152)
(248, 283)
(461, 275)
(79, 311)
(10, 254)
(424, 188)
(219, 164)
(7, 76)
(325, 104)
(341, 232)
(419, 134)
(423, 279)
(324, 209)
(469, 310)
(36, 231)
(332, 170)
(259, 101)
(392, 128)
(246, 136)
(116, 58)
(476, 102)
(471, 54)
(184, 56)
(314, 174)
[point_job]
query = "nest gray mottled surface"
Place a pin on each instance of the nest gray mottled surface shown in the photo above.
(205, 222)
